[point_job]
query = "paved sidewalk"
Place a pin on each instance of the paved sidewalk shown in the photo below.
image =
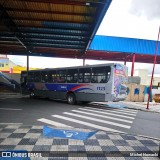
(101, 146)
(153, 107)
(5, 95)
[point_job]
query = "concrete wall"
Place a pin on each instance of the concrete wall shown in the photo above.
(133, 96)
(135, 79)
(13, 76)
(141, 97)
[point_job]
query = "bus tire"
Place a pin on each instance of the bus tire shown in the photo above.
(71, 98)
(32, 95)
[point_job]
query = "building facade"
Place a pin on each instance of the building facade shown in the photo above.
(146, 78)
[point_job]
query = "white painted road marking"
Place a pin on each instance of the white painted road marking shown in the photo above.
(57, 124)
(12, 109)
(86, 123)
(103, 116)
(106, 113)
(11, 123)
(112, 111)
(98, 120)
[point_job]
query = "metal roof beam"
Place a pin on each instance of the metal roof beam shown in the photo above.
(54, 27)
(49, 20)
(57, 36)
(71, 2)
(58, 46)
(83, 39)
(50, 12)
(7, 21)
(43, 40)
(9, 42)
(54, 33)
(11, 45)
(39, 44)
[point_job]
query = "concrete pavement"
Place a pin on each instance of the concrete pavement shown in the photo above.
(102, 146)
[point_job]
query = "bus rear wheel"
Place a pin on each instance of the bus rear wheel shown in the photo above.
(71, 98)
(31, 95)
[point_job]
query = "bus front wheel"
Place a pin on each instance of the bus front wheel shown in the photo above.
(71, 98)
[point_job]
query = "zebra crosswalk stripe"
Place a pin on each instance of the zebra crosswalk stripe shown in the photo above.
(103, 116)
(98, 120)
(11, 109)
(11, 123)
(107, 113)
(112, 111)
(119, 109)
(57, 124)
(86, 123)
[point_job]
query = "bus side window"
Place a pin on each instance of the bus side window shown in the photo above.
(61, 76)
(30, 77)
(52, 76)
(84, 75)
(37, 76)
(100, 74)
(44, 76)
(72, 75)
(23, 79)
(108, 75)
(80, 79)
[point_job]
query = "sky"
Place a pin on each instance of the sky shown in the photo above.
(124, 18)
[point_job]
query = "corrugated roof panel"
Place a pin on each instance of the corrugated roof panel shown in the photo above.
(9, 41)
(7, 38)
(49, 7)
(72, 8)
(66, 25)
(25, 4)
(119, 44)
(52, 31)
(49, 17)
(30, 23)
(14, 4)
(10, 45)
(6, 34)
(54, 24)
(56, 41)
(28, 15)
(57, 36)
(57, 45)
(37, 6)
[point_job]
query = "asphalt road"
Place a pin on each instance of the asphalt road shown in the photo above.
(60, 114)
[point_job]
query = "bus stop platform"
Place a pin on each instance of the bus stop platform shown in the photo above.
(100, 146)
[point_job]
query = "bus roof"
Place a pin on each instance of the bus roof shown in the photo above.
(75, 67)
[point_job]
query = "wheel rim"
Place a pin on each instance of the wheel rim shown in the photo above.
(31, 94)
(70, 99)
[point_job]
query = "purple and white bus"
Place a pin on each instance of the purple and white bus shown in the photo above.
(98, 83)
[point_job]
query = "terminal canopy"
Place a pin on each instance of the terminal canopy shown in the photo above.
(56, 28)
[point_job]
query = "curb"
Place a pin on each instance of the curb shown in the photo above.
(128, 107)
(141, 109)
